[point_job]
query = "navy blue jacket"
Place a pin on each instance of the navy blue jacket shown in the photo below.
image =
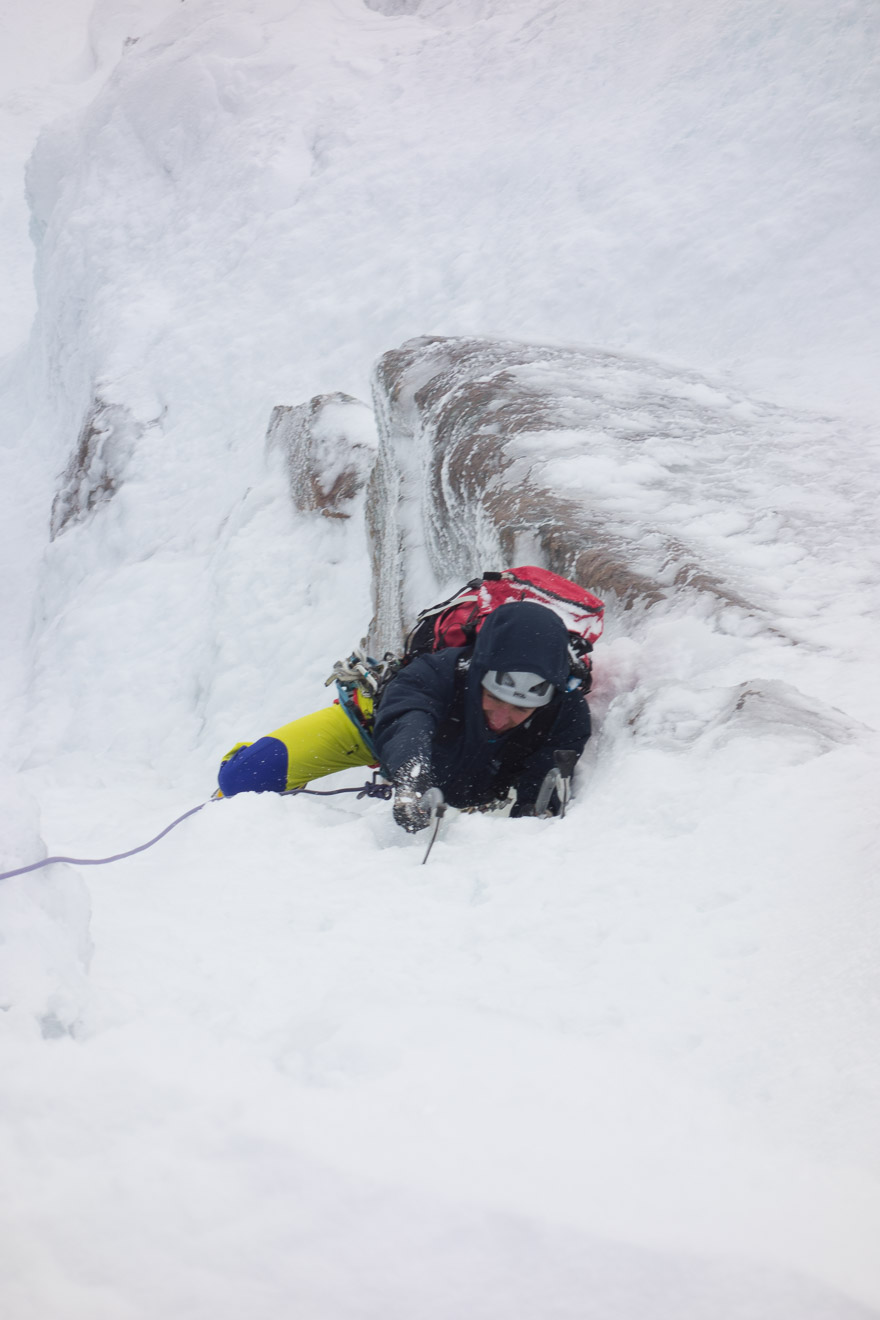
(430, 721)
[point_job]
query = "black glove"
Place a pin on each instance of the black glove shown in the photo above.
(410, 811)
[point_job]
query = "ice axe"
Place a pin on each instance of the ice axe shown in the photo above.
(559, 778)
(433, 799)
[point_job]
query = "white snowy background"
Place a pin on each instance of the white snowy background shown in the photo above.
(619, 1067)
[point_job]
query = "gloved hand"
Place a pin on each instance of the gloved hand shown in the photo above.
(410, 810)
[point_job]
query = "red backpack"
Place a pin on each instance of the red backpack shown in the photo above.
(456, 621)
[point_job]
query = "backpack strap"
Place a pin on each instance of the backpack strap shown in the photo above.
(455, 719)
(423, 635)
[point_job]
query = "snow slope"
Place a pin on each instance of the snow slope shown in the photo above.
(618, 1066)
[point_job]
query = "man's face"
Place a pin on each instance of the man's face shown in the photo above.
(501, 717)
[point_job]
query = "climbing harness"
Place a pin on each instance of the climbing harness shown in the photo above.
(375, 788)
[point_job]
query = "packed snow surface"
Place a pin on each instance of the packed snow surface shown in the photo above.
(617, 1067)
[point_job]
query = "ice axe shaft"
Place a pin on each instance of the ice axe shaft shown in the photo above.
(433, 799)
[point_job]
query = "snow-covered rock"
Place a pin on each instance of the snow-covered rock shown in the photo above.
(97, 465)
(330, 447)
(636, 479)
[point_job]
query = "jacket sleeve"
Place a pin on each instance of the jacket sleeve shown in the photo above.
(412, 709)
(570, 732)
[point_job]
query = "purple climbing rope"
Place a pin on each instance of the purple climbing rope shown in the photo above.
(101, 861)
(373, 789)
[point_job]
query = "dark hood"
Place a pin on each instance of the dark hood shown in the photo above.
(523, 636)
(425, 716)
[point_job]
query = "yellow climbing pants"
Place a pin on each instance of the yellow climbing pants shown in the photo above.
(292, 756)
(320, 744)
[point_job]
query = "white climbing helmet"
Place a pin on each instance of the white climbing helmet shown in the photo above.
(518, 687)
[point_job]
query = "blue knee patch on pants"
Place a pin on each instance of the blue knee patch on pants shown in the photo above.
(260, 768)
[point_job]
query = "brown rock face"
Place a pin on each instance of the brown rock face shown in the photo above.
(495, 452)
